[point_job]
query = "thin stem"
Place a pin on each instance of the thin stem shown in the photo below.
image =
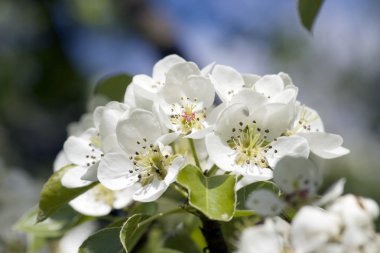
(159, 215)
(212, 171)
(194, 153)
(179, 188)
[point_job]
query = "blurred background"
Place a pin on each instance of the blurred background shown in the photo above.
(53, 52)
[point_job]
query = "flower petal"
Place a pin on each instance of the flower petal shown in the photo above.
(72, 178)
(173, 170)
(89, 203)
(150, 192)
(227, 81)
(179, 72)
(265, 203)
(293, 174)
(325, 145)
(332, 193)
(287, 146)
(60, 161)
(274, 117)
(250, 80)
(124, 197)
(253, 100)
(114, 171)
(269, 85)
(201, 88)
(162, 66)
(219, 153)
(229, 118)
(137, 128)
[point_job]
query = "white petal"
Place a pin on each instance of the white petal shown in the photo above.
(332, 193)
(90, 204)
(248, 179)
(275, 117)
(269, 85)
(145, 86)
(167, 139)
(124, 197)
(220, 153)
(213, 113)
(60, 161)
(286, 79)
(325, 145)
(293, 174)
(265, 203)
(72, 178)
(260, 239)
(76, 150)
(201, 88)
(113, 171)
(206, 71)
(312, 227)
(163, 65)
(286, 96)
(287, 146)
(179, 72)
(253, 100)
(173, 170)
(132, 130)
(250, 80)
(129, 96)
(199, 134)
(91, 173)
(311, 117)
(226, 80)
(229, 118)
(332, 153)
(150, 192)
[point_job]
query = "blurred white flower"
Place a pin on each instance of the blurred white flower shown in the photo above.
(99, 200)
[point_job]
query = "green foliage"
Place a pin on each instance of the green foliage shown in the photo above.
(243, 193)
(132, 231)
(103, 241)
(213, 196)
(308, 11)
(113, 87)
(55, 226)
(54, 195)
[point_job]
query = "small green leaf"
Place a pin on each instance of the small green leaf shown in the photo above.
(132, 231)
(243, 213)
(55, 226)
(242, 194)
(113, 87)
(54, 195)
(213, 196)
(308, 11)
(103, 241)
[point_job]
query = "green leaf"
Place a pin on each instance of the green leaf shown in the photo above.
(308, 11)
(113, 87)
(54, 195)
(103, 241)
(214, 196)
(132, 231)
(243, 193)
(55, 226)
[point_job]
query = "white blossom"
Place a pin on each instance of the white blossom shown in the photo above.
(147, 160)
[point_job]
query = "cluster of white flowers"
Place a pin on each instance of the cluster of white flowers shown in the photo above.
(344, 226)
(241, 123)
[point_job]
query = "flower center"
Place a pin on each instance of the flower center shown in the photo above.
(150, 162)
(251, 145)
(188, 116)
